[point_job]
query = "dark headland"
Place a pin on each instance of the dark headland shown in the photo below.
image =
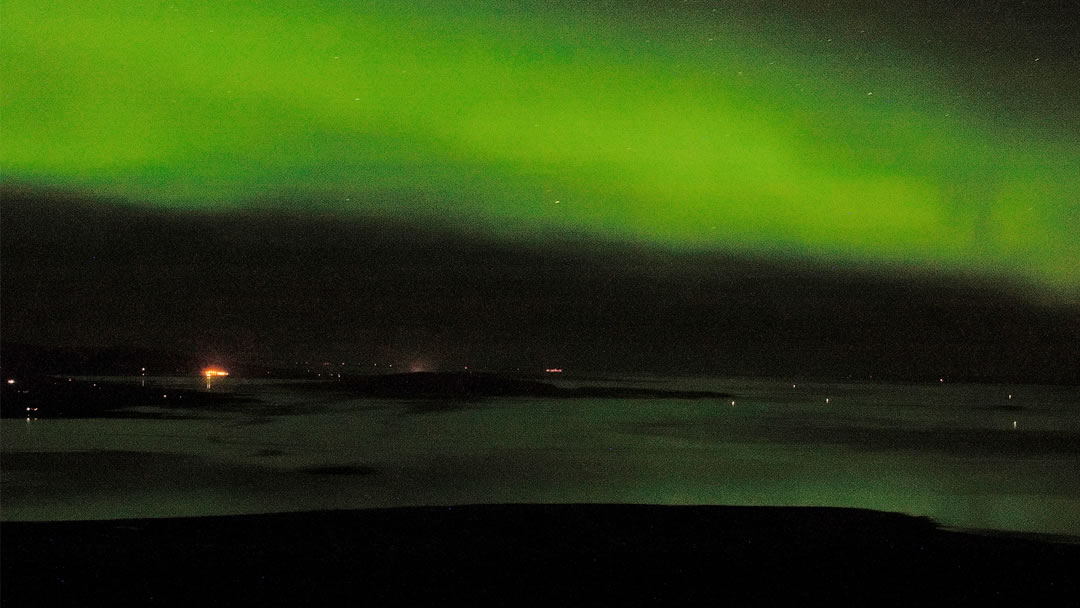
(511, 554)
(467, 385)
(42, 396)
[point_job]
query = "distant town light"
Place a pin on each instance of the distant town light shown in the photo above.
(554, 370)
(215, 373)
(11, 381)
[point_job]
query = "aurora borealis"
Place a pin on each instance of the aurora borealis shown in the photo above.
(839, 135)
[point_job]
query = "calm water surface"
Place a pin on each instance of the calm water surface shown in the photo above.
(966, 455)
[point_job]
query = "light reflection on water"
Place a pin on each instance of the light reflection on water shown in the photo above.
(980, 456)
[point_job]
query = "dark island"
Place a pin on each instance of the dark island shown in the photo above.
(466, 385)
(48, 396)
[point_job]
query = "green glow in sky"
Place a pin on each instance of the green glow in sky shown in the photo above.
(530, 120)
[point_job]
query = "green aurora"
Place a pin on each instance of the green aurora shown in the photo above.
(691, 130)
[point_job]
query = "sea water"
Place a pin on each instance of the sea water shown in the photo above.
(1000, 457)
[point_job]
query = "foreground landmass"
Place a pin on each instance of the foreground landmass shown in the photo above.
(513, 553)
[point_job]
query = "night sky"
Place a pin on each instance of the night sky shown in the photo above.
(824, 188)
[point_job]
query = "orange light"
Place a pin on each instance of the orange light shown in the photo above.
(215, 373)
(554, 370)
